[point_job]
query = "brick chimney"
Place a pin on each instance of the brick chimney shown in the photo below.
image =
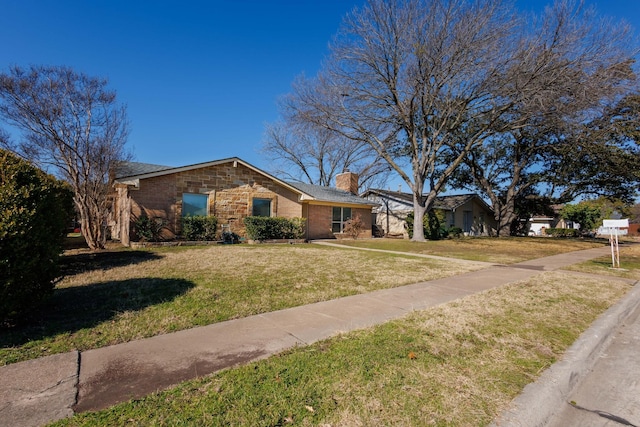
(347, 181)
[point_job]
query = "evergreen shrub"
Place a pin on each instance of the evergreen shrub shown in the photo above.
(35, 212)
(266, 228)
(199, 227)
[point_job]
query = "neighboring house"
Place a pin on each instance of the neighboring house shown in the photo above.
(466, 211)
(539, 223)
(230, 189)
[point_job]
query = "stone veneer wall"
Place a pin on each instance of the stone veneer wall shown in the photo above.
(230, 189)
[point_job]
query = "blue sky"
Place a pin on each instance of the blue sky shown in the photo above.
(200, 78)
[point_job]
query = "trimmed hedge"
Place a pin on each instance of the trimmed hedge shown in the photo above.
(199, 227)
(562, 232)
(35, 210)
(266, 228)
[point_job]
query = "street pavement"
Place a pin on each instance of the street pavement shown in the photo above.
(35, 392)
(595, 384)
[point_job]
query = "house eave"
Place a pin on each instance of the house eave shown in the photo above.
(339, 203)
(128, 182)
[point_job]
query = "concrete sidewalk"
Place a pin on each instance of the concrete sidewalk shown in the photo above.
(38, 391)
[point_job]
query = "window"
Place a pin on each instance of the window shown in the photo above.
(340, 216)
(261, 207)
(194, 204)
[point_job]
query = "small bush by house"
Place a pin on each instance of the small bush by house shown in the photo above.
(267, 228)
(354, 226)
(199, 227)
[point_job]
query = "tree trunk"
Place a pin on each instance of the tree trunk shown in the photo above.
(418, 220)
(91, 231)
(506, 217)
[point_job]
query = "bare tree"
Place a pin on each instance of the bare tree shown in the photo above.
(570, 63)
(316, 155)
(5, 139)
(429, 83)
(71, 122)
(410, 78)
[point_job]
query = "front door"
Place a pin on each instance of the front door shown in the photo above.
(467, 221)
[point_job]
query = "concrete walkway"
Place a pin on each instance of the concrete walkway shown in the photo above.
(39, 391)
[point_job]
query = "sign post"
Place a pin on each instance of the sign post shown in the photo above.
(614, 226)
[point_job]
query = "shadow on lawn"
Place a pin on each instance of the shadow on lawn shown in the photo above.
(72, 264)
(75, 308)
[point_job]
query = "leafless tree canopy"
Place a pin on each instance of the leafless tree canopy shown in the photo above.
(571, 66)
(425, 83)
(316, 155)
(304, 151)
(71, 122)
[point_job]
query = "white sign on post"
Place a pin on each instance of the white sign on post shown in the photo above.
(618, 223)
(614, 226)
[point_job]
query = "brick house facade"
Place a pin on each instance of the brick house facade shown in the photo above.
(230, 190)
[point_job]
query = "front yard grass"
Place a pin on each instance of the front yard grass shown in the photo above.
(458, 364)
(122, 295)
(503, 250)
(629, 263)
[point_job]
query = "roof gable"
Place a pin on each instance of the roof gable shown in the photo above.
(151, 171)
(132, 172)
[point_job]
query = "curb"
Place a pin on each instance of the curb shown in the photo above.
(539, 401)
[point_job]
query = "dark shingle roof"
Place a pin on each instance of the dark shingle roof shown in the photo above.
(125, 169)
(329, 194)
(452, 202)
(442, 202)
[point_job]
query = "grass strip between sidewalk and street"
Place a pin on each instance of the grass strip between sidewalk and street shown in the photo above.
(457, 364)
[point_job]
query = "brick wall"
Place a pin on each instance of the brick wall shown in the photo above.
(367, 219)
(347, 181)
(319, 221)
(230, 189)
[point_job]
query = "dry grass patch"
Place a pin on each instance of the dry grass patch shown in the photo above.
(109, 298)
(629, 263)
(503, 250)
(458, 364)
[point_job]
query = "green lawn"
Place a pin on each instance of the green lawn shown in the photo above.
(121, 295)
(458, 364)
(629, 263)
